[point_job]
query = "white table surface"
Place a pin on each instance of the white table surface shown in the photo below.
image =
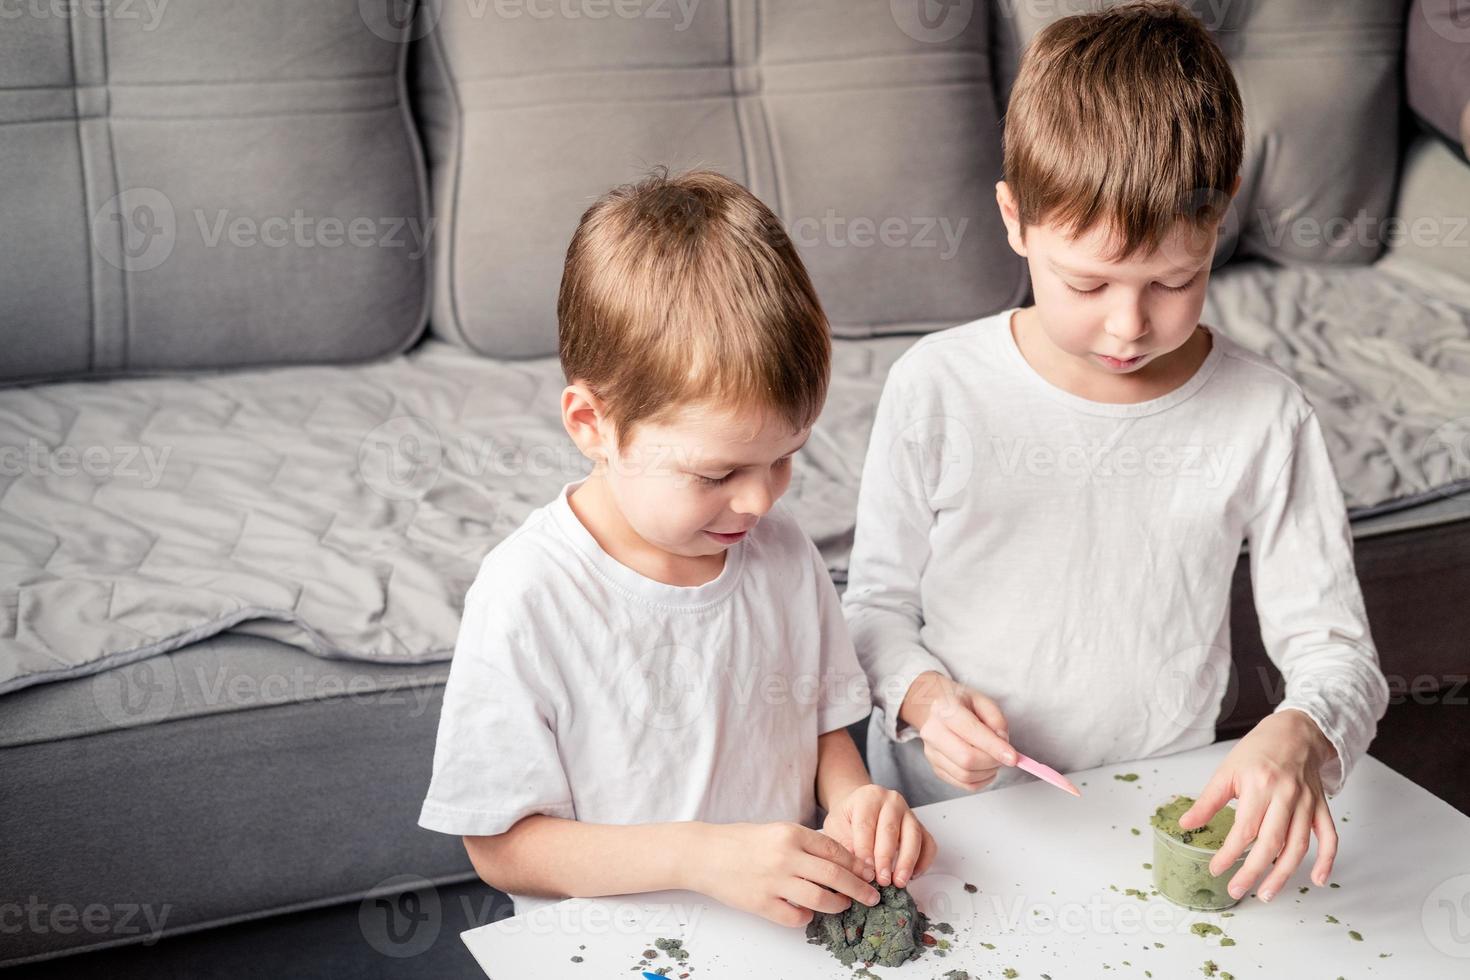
(1044, 863)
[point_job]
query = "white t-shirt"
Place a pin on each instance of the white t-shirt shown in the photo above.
(580, 688)
(1073, 559)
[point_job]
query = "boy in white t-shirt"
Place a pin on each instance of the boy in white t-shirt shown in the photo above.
(653, 675)
(1055, 497)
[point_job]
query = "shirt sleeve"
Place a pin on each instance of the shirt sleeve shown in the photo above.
(844, 693)
(890, 550)
(1309, 604)
(495, 755)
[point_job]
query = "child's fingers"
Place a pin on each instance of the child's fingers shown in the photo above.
(968, 726)
(886, 840)
(833, 875)
(1249, 813)
(1269, 842)
(827, 848)
(989, 712)
(1326, 832)
(970, 763)
(927, 853)
(808, 893)
(1298, 840)
(1218, 791)
(783, 913)
(856, 865)
(910, 846)
(864, 822)
(950, 773)
(822, 847)
(1248, 816)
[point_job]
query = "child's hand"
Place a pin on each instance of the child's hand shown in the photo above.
(878, 827)
(1275, 773)
(964, 732)
(761, 867)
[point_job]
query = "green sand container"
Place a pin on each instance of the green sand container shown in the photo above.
(1182, 857)
(887, 934)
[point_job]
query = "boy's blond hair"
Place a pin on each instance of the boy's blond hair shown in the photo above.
(1127, 119)
(686, 289)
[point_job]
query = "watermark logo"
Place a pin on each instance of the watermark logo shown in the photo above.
(1450, 21)
(135, 230)
(1362, 230)
(147, 13)
(401, 459)
(932, 21)
(138, 229)
(1194, 686)
(933, 457)
(405, 922)
(122, 919)
(840, 231)
(1203, 211)
(143, 464)
(400, 21)
(137, 694)
(1445, 916)
(667, 687)
(1099, 462)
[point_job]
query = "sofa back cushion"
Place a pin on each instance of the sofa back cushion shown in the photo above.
(1321, 84)
(206, 184)
(1437, 68)
(868, 126)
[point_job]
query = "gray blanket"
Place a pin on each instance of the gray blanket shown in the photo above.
(345, 509)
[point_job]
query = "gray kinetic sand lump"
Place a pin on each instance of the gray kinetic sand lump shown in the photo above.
(887, 933)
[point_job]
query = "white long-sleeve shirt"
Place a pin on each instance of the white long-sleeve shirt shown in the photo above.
(1072, 559)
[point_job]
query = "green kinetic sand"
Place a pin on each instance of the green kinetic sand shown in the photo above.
(887, 934)
(1182, 857)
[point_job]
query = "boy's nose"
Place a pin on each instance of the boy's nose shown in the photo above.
(1127, 323)
(754, 496)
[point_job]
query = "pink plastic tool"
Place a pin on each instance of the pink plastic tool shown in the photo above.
(1046, 773)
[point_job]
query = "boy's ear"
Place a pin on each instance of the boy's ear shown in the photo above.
(582, 415)
(1235, 187)
(1010, 213)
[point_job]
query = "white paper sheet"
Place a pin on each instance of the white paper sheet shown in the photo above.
(1045, 865)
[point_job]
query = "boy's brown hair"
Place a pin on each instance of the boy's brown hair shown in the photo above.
(687, 289)
(1127, 118)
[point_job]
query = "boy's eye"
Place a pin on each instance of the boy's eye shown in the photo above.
(1085, 292)
(714, 481)
(1178, 289)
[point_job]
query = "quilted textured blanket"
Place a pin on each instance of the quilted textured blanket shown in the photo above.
(345, 509)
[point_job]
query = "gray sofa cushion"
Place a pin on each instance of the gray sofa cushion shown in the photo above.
(205, 185)
(1322, 86)
(1433, 216)
(1438, 67)
(874, 138)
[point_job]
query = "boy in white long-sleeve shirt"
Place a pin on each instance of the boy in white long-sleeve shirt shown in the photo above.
(1055, 497)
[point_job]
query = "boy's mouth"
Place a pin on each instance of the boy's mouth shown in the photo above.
(728, 538)
(1120, 363)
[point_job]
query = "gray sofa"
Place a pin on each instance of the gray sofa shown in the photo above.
(277, 331)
